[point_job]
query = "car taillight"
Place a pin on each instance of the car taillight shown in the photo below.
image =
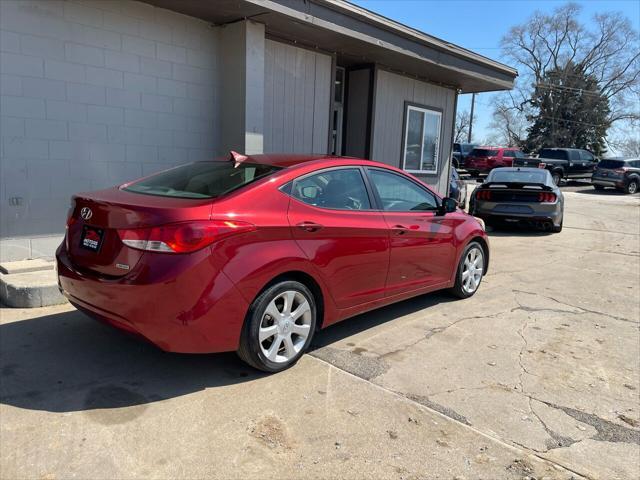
(483, 195)
(542, 165)
(182, 237)
(546, 197)
(72, 207)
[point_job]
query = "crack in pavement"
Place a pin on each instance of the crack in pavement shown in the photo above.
(584, 310)
(446, 411)
(606, 431)
(437, 330)
(558, 441)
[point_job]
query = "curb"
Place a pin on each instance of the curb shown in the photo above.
(30, 289)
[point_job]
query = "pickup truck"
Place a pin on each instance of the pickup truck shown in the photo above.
(563, 163)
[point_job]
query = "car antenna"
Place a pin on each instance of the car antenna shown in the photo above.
(237, 157)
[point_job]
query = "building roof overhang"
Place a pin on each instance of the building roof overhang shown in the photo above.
(357, 36)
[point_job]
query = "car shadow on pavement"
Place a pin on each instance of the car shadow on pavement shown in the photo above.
(517, 231)
(67, 362)
(365, 321)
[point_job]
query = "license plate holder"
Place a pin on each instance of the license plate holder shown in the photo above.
(91, 238)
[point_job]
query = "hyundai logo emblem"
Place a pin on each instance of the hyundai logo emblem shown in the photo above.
(86, 213)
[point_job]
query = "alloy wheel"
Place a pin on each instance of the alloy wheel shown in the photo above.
(472, 270)
(285, 326)
(632, 187)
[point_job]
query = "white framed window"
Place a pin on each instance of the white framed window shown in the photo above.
(421, 139)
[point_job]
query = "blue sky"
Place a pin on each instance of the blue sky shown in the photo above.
(480, 24)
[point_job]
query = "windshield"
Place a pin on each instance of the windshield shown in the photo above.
(481, 152)
(519, 176)
(201, 179)
(553, 154)
(611, 164)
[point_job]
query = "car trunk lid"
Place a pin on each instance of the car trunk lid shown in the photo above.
(92, 238)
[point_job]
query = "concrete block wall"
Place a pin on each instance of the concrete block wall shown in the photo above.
(94, 93)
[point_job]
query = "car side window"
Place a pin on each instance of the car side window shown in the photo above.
(341, 189)
(574, 155)
(508, 153)
(586, 156)
(399, 194)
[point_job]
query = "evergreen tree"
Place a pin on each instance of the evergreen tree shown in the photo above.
(569, 110)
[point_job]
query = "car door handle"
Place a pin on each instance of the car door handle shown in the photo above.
(309, 226)
(399, 229)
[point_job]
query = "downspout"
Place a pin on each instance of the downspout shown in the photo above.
(453, 132)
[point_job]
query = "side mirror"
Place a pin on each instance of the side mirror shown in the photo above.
(448, 205)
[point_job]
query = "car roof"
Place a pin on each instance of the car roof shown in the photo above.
(489, 147)
(518, 169)
(287, 160)
(622, 159)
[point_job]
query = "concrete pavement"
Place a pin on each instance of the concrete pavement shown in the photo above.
(536, 376)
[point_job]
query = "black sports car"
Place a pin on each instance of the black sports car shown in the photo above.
(519, 195)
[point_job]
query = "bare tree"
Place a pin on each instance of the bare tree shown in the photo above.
(463, 121)
(627, 146)
(507, 126)
(609, 51)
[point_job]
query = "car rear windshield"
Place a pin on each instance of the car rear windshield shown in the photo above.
(482, 152)
(518, 176)
(201, 179)
(553, 154)
(613, 164)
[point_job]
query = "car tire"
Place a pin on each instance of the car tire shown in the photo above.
(557, 178)
(631, 187)
(557, 229)
(271, 318)
(598, 187)
(467, 284)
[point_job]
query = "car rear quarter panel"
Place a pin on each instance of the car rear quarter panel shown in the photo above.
(252, 260)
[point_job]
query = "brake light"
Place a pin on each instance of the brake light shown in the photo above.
(72, 208)
(182, 237)
(542, 165)
(483, 195)
(546, 197)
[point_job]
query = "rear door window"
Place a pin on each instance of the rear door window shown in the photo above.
(341, 189)
(574, 155)
(201, 179)
(508, 153)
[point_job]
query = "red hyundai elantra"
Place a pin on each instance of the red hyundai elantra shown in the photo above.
(254, 254)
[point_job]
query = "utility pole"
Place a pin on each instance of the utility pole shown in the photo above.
(473, 102)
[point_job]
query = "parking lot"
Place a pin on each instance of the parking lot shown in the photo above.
(536, 376)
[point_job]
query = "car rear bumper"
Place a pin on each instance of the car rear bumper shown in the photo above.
(608, 182)
(179, 303)
(524, 213)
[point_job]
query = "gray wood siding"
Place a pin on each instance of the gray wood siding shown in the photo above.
(297, 95)
(391, 93)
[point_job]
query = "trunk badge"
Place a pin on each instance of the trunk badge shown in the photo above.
(86, 213)
(122, 266)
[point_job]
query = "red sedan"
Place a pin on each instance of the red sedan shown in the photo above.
(254, 254)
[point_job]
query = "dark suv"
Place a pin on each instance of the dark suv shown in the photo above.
(460, 153)
(620, 173)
